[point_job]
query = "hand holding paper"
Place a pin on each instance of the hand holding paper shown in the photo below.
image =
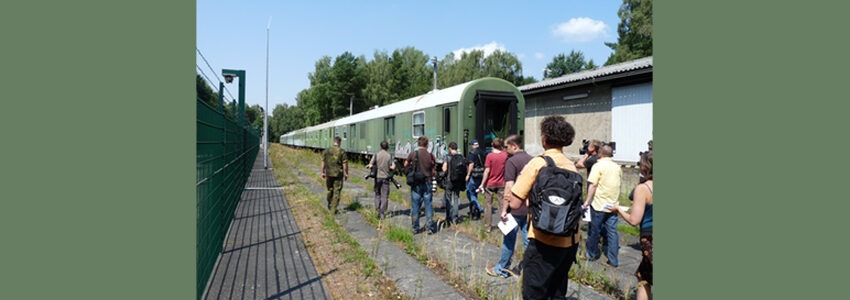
(508, 225)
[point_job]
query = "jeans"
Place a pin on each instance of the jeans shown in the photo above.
(420, 194)
(509, 242)
(471, 186)
(451, 199)
(602, 223)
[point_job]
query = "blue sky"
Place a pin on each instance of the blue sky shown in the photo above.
(232, 34)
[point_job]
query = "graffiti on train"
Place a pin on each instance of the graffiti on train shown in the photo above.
(437, 147)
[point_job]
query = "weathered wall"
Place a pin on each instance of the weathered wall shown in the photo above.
(591, 116)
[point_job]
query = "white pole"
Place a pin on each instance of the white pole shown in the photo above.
(266, 113)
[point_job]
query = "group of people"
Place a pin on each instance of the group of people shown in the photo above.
(507, 175)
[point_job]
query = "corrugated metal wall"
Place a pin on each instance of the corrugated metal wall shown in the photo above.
(631, 119)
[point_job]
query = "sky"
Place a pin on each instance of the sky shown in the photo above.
(233, 35)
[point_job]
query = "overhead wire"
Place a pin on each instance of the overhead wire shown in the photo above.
(213, 71)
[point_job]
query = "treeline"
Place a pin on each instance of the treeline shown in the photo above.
(358, 83)
(387, 77)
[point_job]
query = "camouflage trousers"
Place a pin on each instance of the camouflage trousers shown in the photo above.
(334, 185)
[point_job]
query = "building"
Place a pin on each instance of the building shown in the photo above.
(611, 103)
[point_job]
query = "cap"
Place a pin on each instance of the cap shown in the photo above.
(474, 142)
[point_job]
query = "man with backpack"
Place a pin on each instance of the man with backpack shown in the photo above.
(474, 174)
(420, 164)
(454, 167)
(550, 181)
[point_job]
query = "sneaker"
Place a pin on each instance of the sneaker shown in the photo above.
(515, 271)
(490, 271)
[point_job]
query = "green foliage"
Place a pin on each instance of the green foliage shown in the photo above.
(389, 77)
(399, 234)
(204, 92)
(284, 119)
(628, 229)
(634, 32)
(565, 64)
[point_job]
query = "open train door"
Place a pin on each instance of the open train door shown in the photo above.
(496, 116)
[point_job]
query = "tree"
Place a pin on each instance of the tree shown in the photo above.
(347, 81)
(634, 32)
(204, 92)
(504, 65)
(379, 80)
(410, 72)
(565, 64)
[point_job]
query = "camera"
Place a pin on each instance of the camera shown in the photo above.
(374, 173)
(394, 182)
(586, 143)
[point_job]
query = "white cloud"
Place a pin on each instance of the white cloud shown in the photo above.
(580, 30)
(488, 49)
(538, 55)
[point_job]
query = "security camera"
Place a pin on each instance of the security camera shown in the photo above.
(228, 78)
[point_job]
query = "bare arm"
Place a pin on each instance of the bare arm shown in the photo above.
(508, 199)
(484, 178)
(469, 171)
(591, 190)
(638, 207)
(580, 163)
(516, 202)
(323, 170)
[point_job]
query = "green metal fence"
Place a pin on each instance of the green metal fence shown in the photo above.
(225, 155)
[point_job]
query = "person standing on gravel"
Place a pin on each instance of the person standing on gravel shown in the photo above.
(641, 214)
(334, 171)
(604, 191)
(473, 179)
(421, 192)
(548, 258)
(517, 160)
(493, 182)
(384, 164)
(454, 182)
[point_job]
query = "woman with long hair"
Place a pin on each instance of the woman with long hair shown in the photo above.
(641, 214)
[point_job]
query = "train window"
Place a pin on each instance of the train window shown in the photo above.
(447, 120)
(389, 126)
(418, 124)
(345, 132)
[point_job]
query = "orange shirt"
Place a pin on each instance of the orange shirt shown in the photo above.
(523, 185)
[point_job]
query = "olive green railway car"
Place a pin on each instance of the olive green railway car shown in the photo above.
(480, 109)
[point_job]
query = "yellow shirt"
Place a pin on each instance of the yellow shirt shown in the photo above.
(523, 185)
(606, 175)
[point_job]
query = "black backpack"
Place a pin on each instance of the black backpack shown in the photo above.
(457, 168)
(556, 200)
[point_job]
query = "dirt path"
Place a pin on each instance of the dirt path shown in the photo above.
(460, 253)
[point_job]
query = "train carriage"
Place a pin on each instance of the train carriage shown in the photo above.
(479, 109)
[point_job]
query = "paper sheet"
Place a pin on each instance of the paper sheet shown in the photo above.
(507, 226)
